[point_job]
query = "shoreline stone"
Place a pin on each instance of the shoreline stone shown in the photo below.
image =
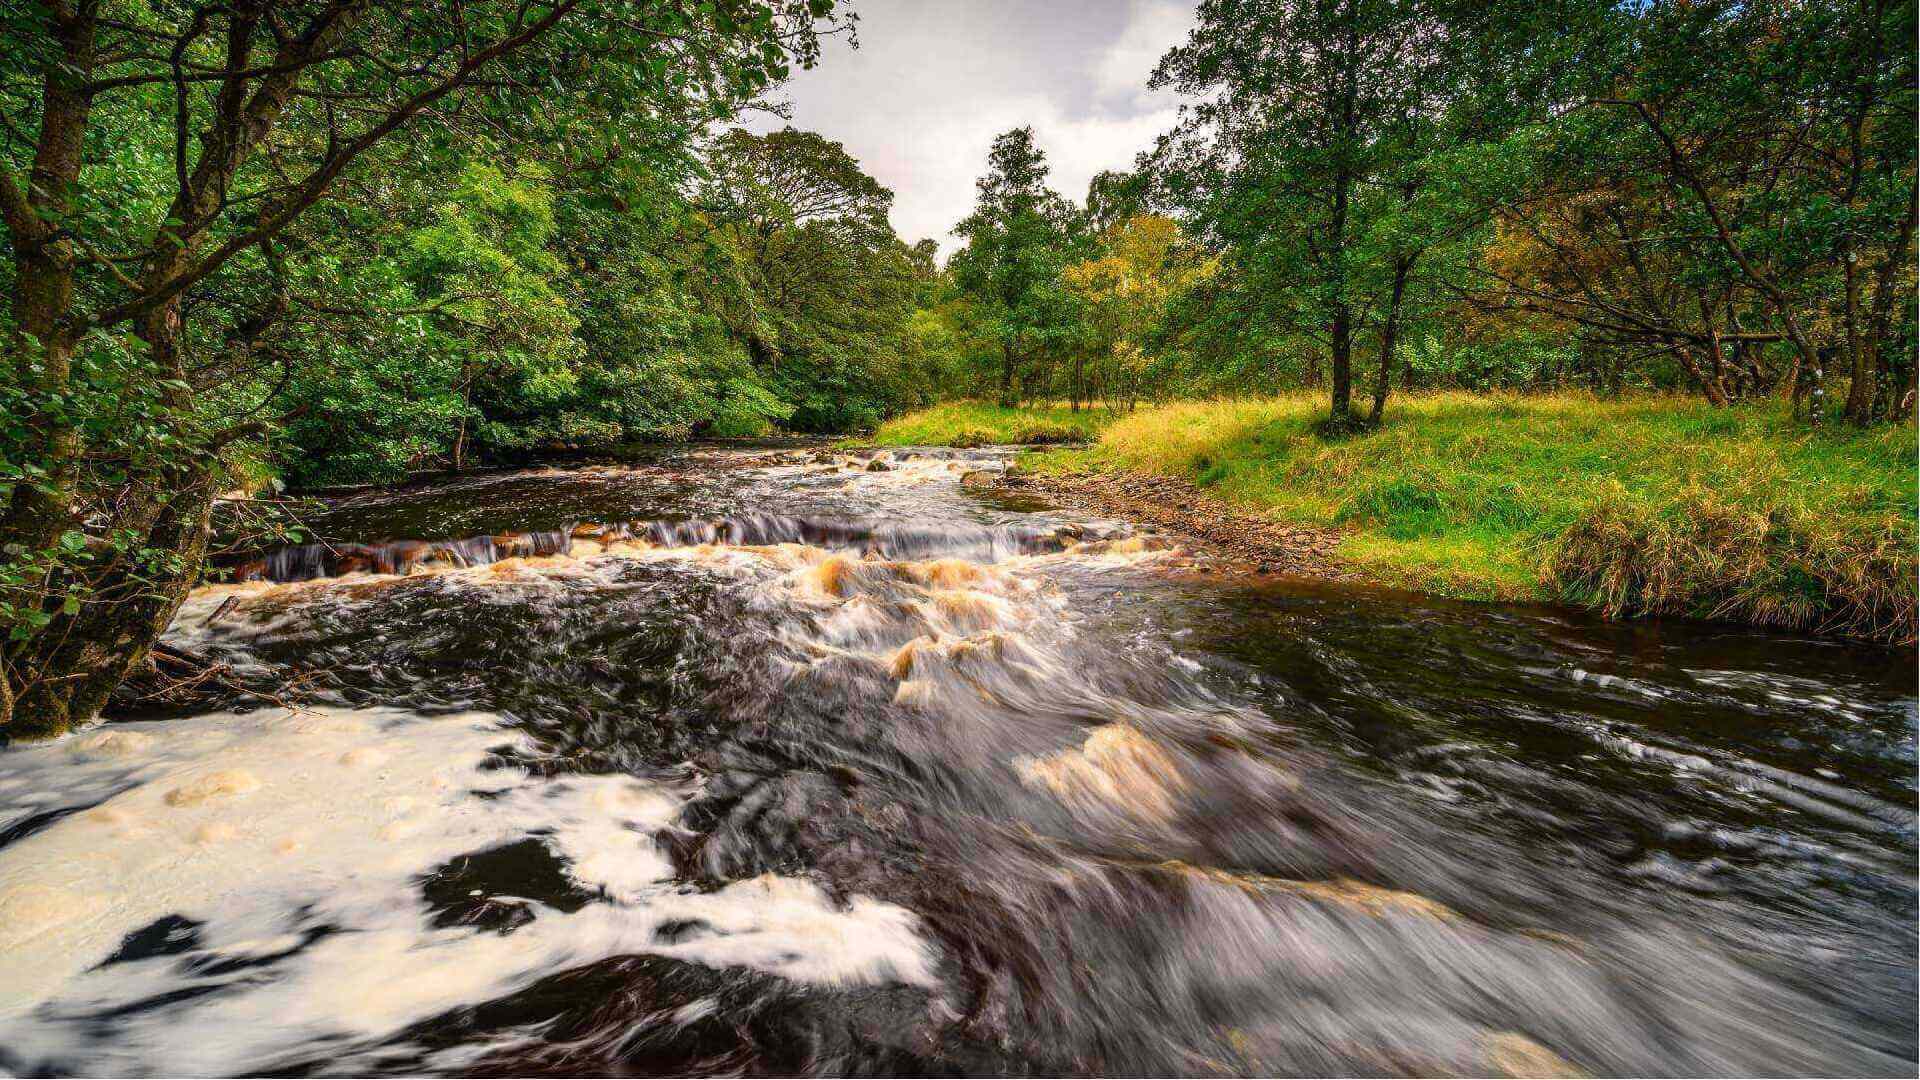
(1206, 525)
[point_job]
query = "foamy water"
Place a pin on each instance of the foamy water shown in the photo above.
(285, 849)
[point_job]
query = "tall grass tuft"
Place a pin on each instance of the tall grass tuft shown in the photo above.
(1707, 556)
(972, 423)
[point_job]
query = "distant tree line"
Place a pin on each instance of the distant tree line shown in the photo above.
(1713, 197)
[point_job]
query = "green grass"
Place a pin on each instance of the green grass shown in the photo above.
(1642, 505)
(970, 423)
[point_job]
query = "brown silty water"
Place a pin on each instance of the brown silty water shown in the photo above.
(738, 763)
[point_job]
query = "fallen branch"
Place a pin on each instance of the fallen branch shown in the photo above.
(172, 678)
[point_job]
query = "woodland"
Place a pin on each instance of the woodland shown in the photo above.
(260, 245)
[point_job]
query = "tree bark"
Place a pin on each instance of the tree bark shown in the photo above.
(1389, 338)
(1346, 127)
(1889, 360)
(66, 672)
(45, 336)
(1341, 366)
(1702, 377)
(1859, 407)
(1712, 378)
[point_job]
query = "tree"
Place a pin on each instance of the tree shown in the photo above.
(1113, 197)
(828, 287)
(1304, 162)
(422, 317)
(1269, 160)
(1017, 239)
(1143, 262)
(1730, 187)
(1803, 177)
(156, 155)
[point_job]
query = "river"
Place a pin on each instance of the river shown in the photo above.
(733, 762)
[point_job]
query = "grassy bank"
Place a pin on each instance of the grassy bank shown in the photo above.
(971, 423)
(1643, 505)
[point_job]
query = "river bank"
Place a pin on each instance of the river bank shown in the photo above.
(1205, 524)
(1637, 506)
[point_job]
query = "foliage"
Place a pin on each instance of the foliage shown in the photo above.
(319, 220)
(759, 286)
(1712, 197)
(1018, 240)
(1141, 264)
(1302, 160)
(829, 290)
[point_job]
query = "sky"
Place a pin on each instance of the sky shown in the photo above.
(933, 81)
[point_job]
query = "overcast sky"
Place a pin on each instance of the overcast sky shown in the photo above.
(933, 81)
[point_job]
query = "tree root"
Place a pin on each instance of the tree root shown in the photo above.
(176, 680)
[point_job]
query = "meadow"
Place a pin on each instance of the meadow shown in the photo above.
(1636, 505)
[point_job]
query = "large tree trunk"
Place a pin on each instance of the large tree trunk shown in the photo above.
(1340, 332)
(1007, 399)
(1346, 130)
(41, 352)
(1859, 407)
(42, 358)
(1890, 360)
(1341, 366)
(1389, 338)
(66, 672)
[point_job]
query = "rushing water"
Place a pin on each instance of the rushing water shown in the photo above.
(805, 768)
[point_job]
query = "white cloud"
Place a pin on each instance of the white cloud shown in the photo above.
(932, 167)
(921, 100)
(1153, 27)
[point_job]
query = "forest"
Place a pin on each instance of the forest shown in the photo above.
(1018, 538)
(275, 244)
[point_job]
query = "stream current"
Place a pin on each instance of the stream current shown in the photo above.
(747, 763)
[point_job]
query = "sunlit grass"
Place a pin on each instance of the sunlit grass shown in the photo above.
(972, 423)
(1645, 504)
